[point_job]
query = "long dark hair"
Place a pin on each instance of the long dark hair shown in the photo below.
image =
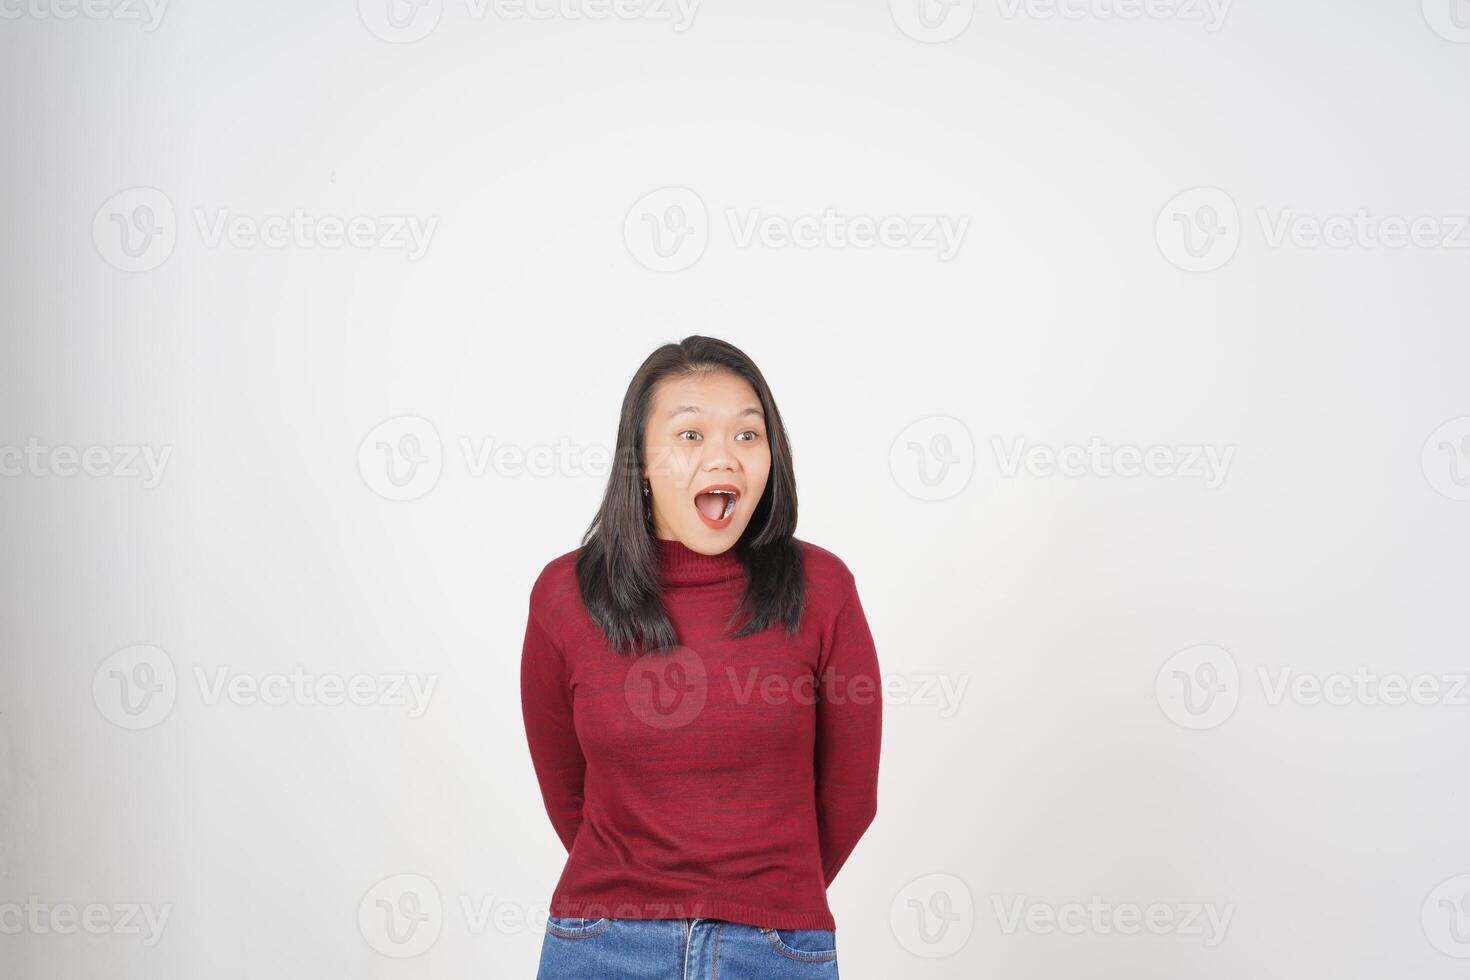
(617, 568)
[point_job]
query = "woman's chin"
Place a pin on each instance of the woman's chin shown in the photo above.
(710, 541)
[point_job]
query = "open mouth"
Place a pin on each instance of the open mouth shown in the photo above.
(716, 505)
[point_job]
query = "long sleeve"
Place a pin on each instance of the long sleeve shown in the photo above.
(849, 735)
(546, 707)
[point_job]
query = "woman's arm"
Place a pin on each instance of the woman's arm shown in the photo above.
(546, 706)
(849, 732)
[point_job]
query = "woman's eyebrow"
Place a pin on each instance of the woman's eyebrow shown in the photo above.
(696, 410)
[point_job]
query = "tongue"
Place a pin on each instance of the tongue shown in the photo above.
(711, 505)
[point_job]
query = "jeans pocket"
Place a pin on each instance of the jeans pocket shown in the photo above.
(807, 945)
(574, 928)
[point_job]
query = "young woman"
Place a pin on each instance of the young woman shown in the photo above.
(701, 697)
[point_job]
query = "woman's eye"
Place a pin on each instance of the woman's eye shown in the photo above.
(689, 435)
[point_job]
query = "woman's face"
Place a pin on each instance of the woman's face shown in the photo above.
(705, 435)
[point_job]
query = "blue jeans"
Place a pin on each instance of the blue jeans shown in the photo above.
(683, 949)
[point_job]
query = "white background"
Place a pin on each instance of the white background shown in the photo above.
(1071, 766)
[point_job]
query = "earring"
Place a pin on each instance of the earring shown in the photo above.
(645, 488)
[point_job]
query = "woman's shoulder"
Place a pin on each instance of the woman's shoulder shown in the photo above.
(556, 585)
(557, 582)
(825, 571)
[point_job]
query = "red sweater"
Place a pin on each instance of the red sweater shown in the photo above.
(726, 779)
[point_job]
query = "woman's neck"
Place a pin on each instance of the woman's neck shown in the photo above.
(678, 564)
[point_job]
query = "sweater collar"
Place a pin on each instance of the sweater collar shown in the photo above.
(678, 564)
